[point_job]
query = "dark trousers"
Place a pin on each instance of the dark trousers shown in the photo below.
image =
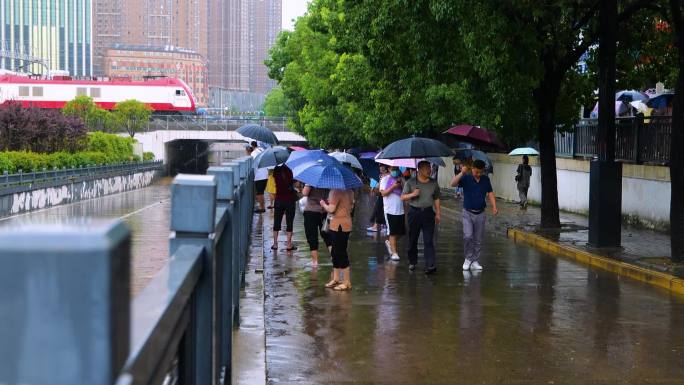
(421, 220)
(339, 240)
(313, 224)
(286, 208)
(378, 211)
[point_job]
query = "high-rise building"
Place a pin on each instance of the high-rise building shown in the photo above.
(265, 24)
(144, 62)
(240, 34)
(153, 23)
(46, 35)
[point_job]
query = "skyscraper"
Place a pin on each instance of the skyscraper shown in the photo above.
(153, 23)
(55, 32)
(265, 24)
(240, 34)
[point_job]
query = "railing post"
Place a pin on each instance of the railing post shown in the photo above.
(225, 189)
(65, 295)
(193, 213)
(236, 233)
(638, 124)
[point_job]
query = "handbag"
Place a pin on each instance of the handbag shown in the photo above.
(326, 224)
(302, 203)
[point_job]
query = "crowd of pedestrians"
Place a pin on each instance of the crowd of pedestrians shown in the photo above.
(404, 203)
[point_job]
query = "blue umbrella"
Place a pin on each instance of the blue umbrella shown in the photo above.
(329, 176)
(300, 157)
(304, 163)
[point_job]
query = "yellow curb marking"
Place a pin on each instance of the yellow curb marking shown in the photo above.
(651, 277)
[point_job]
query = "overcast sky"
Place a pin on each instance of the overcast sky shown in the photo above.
(291, 10)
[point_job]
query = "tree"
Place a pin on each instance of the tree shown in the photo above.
(552, 37)
(94, 117)
(133, 115)
(276, 103)
(39, 130)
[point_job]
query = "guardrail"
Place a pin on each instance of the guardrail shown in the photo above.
(65, 293)
(638, 139)
(67, 174)
(211, 123)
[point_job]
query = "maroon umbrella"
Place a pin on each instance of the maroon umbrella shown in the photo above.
(475, 135)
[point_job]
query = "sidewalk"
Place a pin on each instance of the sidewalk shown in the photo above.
(527, 318)
(642, 247)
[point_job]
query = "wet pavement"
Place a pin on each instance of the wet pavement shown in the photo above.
(528, 318)
(146, 211)
(640, 246)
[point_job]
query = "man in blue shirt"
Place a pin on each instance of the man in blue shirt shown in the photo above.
(477, 188)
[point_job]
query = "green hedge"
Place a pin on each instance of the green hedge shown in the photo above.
(101, 148)
(148, 156)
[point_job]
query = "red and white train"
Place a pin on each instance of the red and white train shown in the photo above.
(163, 95)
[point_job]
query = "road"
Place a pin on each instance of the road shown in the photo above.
(145, 211)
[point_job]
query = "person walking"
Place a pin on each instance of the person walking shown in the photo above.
(523, 176)
(477, 188)
(391, 186)
(339, 205)
(423, 196)
(314, 216)
(285, 204)
(260, 180)
(270, 189)
(378, 215)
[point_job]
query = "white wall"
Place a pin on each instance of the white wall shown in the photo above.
(645, 194)
(154, 141)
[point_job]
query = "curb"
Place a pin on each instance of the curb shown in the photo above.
(651, 277)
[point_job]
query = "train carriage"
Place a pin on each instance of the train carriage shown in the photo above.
(163, 95)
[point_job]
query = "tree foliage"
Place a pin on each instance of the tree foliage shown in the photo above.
(276, 103)
(39, 130)
(132, 115)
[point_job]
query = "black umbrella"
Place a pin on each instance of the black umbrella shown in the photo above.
(415, 148)
(258, 133)
(272, 157)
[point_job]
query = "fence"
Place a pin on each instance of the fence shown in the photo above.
(66, 174)
(637, 140)
(65, 293)
(212, 123)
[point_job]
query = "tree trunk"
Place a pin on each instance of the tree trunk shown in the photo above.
(677, 143)
(546, 98)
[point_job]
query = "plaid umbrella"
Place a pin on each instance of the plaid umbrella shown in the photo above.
(328, 176)
(258, 133)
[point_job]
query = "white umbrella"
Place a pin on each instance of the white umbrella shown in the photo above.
(343, 157)
(524, 151)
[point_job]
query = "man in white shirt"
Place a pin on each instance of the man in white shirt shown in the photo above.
(391, 186)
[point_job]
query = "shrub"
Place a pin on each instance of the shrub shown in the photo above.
(22, 160)
(6, 164)
(119, 148)
(148, 156)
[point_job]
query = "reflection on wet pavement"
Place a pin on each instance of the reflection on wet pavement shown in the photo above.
(527, 318)
(145, 211)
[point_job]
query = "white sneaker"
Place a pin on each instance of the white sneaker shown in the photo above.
(395, 257)
(475, 266)
(466, 264)
(389, 247)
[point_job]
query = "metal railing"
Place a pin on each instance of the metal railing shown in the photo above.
(65, 293)
(212, 123)
(638, 140)
(68, 174)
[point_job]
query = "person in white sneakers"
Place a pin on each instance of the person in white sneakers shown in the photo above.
(391, 186)
(477, 189)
